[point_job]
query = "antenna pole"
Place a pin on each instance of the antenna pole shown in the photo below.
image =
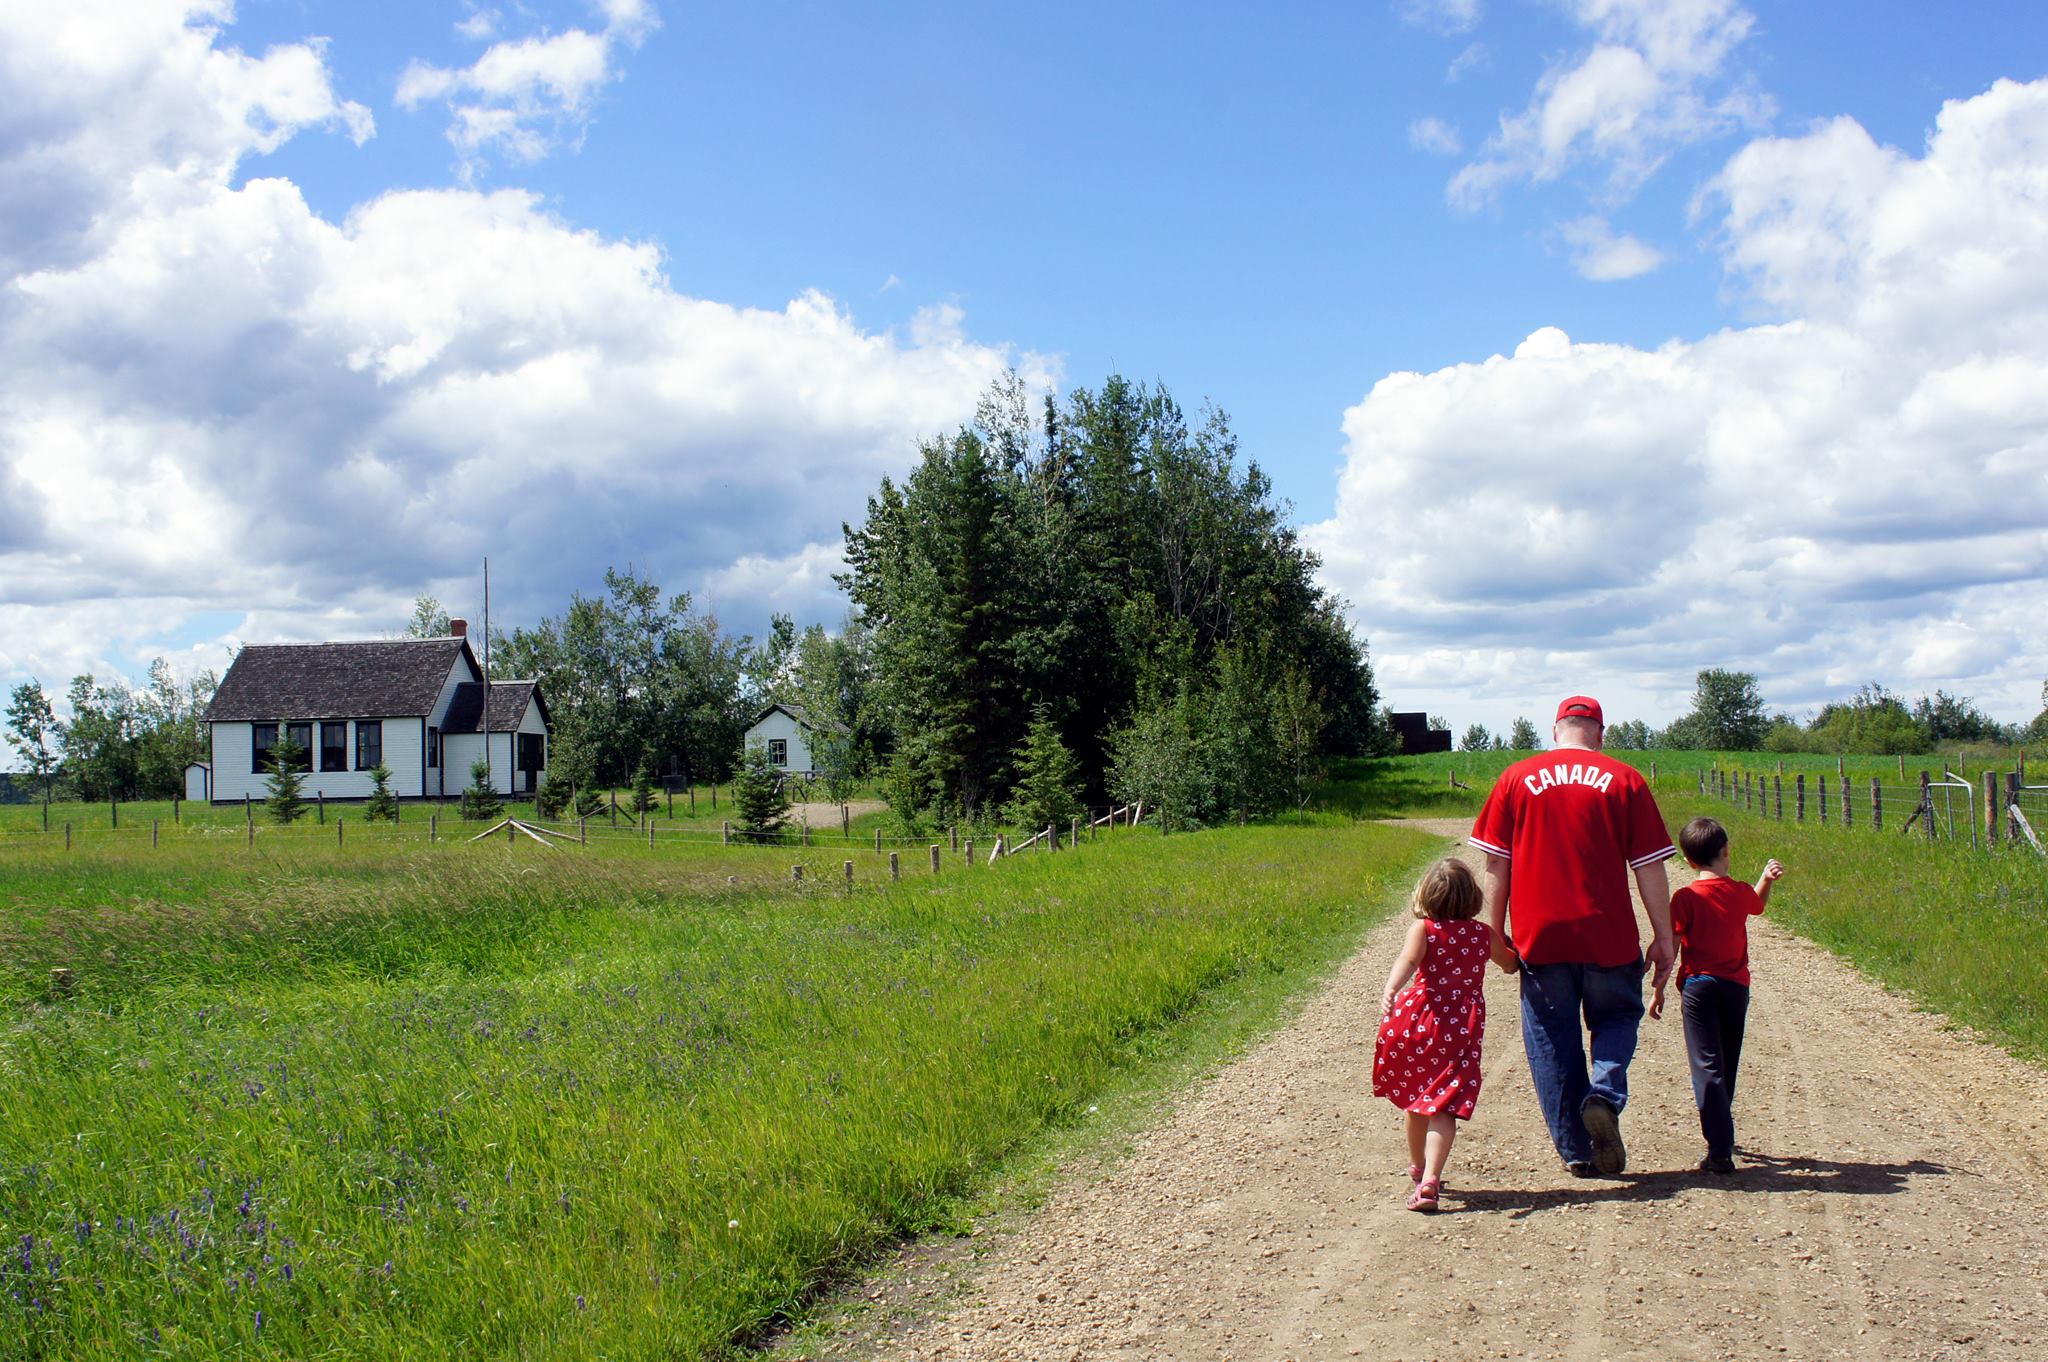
(490, 778)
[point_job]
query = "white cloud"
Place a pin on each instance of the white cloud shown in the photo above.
(1435, 136)
(1474, 57)
(216, 404)
(521, 96)
(1854, 490)
(1598, 254)
(1656, 79)
(1442, 16)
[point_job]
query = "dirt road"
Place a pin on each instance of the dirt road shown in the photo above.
(1892, 1204)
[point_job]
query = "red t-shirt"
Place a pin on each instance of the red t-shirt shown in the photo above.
(1711, 916)
(1574, 824)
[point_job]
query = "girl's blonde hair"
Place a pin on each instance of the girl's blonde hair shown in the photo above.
(1447, 892)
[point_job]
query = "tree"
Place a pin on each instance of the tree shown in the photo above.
(33, 733)
(1159, 761)
(382, 805)
(1047, 779)
(1630, 735)
(428, 620)
(1727, 712)
(551, 798)
(1953, 718)
(1522, 737)
(286, 783)
(480, 802)
(1476, 739)
(757, 794)
(99, 740)
(1873, 720)
(1298, 723)
(170, 733)
(644, 800)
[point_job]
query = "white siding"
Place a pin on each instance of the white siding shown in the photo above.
(403, 739)
(440, 780)
(778, 724)
(458, 750)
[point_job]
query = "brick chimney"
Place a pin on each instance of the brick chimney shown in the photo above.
(459, 628)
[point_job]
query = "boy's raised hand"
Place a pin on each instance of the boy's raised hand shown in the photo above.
(1773, 871)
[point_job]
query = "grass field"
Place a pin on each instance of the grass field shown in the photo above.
(423, 1101)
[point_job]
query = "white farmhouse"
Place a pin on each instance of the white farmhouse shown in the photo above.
(786, 731)
(417, 705)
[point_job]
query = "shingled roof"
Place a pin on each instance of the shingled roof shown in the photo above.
(371, 679)
(507, 707)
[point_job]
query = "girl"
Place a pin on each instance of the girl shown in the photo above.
(1426, 1061)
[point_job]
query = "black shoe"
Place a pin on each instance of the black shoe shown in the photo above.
(1579, 1168)
(1603, 1127)
(1710, 1164)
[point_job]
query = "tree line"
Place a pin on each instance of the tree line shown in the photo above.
(118, 741)
(1729, 714)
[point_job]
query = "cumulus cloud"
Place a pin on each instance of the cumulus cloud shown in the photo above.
(1656, 78)
(1600, 255)
(220, 406)
(1855, 487)
(1473, 57)
(522, 96)
(1435, 136)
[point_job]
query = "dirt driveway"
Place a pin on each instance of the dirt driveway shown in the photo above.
(1892, 1205)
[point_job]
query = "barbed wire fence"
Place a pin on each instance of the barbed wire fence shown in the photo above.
(1999, 809)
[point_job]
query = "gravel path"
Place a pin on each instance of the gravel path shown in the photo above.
(1892, 1205)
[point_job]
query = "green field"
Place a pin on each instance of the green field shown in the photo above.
(398, 1100)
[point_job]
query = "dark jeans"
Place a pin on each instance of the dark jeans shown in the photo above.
(1715, 1011)
(1554, 999)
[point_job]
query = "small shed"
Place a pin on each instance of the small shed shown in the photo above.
(787, 732)
(199, 781)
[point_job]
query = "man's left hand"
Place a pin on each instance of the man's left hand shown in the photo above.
(1663, 955)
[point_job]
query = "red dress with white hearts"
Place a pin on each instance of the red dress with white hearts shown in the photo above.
(1427, 1056)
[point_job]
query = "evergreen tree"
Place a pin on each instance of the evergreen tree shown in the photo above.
(382, 805)
(286, 783)
(1047, 777)
(1522, 737)
(480, 802)
(757, 794)
(644, 800)
(551, 798)
(589, 803)
(1476, 739)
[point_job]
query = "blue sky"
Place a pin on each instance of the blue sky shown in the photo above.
(696, 276)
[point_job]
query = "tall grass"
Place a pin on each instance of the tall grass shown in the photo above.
(470, 1102)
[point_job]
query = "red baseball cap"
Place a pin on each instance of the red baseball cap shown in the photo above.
(1581, 707)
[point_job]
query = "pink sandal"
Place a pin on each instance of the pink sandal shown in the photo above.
(1424, 1197)
(1414, 1172)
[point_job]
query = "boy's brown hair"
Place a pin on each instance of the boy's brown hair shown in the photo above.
(1447, 892)
(1702, 841)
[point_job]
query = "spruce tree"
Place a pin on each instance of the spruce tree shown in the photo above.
(551, 798)
(382, 805)
(1047, 777)
(286, 800)
(758, 796)
(644, 800)
(480, 802)
(588, 802)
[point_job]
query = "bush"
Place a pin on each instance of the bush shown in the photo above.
(480, 802)
(382, 805)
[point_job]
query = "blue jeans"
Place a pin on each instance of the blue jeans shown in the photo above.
(1715, 1011)
(1554, 997)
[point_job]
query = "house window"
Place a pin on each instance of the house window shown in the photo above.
(778, 751)
(369, 743)
(262, 737)
(433, 746)
(302, 736)
(334, 747)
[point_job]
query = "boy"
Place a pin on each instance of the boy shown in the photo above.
(1711, 918)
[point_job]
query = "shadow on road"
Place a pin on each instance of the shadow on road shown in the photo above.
(1755, 1172)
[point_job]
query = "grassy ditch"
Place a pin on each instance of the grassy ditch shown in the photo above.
(447, 1101)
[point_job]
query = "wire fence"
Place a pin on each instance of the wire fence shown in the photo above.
(1998, 809)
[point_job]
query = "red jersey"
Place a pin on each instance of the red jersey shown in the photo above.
(1574, 823)
(1711, 916)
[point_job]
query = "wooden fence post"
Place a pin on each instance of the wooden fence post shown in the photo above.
(1848, 817)
(615, 808)
(2012, 799)
(320, 807)
(725, 833)
(878, 841)
(1927, 804)
(796, 872)
(846, 823)
(1902, 766)
(1876, 806)
(252, 835)
(114, 818)
(650, 833)
(670, 796)
(1778, 795)
(1822, 785)
(1074, 832)
(935, 858)
(969, 849)
(583, 832)
(714, 794)
(338, 821)
(693, 799)
(152, 834)
(177, 809)
(67, 835)
(954, 833)
(996, 854)
(849, 874)
(433, 827)
(1703, 780)
(1799, 797)
(895, 867)
(1994, 825)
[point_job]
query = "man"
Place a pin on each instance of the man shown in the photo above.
(1562, 832)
